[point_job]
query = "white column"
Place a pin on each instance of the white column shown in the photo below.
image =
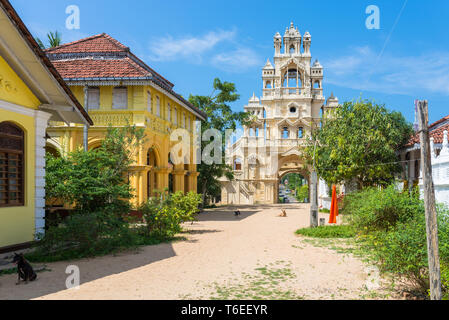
(41, 122)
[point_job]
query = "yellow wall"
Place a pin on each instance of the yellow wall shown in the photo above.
(12, 88)
(157, 134)
(17, 224)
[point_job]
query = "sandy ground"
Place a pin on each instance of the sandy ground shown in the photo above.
(219, 249)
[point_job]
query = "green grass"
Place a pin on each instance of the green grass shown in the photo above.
(343, 231)
(265, 283)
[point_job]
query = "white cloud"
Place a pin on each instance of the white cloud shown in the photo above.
(364, 70)
(192, 48)
(238, 60)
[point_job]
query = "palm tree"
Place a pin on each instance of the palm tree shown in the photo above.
(54, 40)
(40, 43)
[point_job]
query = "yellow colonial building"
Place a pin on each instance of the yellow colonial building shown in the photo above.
(117, 88)
(31, 94)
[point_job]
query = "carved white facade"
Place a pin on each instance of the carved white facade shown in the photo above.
(291, 106)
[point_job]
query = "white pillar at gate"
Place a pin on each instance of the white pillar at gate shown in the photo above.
(324, 201)
(41, 122)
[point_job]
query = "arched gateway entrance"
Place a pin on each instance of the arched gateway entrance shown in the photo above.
(289, 110)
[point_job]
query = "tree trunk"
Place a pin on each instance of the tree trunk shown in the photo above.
(203, 197)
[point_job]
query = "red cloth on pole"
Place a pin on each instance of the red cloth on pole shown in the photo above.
(334, 206)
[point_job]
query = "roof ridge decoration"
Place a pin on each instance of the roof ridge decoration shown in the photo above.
(268, 65)
(101, 35)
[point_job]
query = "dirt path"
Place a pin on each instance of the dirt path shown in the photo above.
(254, 256)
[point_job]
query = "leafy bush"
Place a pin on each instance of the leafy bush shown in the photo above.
(403, 250)
(85, 235)
(375, 209)
(303, 193)
(95, 181)
(163, 215)
(343, 231)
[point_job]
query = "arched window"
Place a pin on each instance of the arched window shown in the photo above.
(171, 180)
(238, 165)
(268, 85)
(316, 85)
(292, 79)
(169, 113)
(11, 165)
(300, 133)
(292, 49)
(285, 133)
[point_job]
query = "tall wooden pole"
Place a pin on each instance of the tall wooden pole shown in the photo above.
(429, 203)
(314, 199)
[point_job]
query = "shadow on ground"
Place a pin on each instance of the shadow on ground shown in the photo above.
(54, 279)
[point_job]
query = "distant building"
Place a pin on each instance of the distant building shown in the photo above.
(439, 145)
(121, 89)
(410, 156)
(291, 107)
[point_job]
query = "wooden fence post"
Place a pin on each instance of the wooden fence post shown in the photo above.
(429, 203)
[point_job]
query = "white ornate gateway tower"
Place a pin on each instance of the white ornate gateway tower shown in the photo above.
(290, 108)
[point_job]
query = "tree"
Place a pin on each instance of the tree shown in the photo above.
(358, 142)
(97, 180)
(54, 40)
(220, 117)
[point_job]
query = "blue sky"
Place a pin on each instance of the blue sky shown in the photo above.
(192, 42)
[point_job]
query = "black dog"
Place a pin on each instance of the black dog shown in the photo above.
(24, 270)
(237, 213)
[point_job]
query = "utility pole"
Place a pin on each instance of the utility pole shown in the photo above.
(314, 194)
(86, 128)
(429, 203)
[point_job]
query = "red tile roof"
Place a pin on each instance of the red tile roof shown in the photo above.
(99, 48)
(436, 131)
(100, 68)
(98, 43)
(101, 57)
